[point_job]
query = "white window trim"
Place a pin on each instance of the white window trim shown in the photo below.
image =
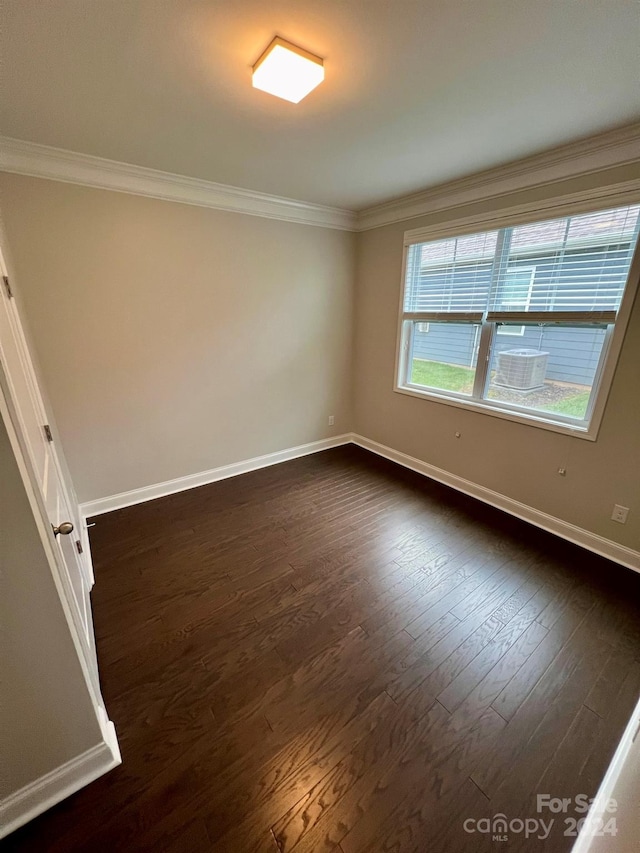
(504, 218)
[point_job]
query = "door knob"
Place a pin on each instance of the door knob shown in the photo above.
(65, 528)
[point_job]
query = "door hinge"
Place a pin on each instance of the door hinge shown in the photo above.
(47, 432)
(7, 286)
(79, 546)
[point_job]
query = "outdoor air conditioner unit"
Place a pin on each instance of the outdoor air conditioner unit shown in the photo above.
(522, 369)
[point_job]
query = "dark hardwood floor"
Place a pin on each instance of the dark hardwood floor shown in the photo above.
(336, 654)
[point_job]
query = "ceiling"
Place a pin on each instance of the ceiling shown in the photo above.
(417, 92)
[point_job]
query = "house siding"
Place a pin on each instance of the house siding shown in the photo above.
(573, 352)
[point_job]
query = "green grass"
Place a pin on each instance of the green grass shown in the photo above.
(448, 377)
(452, 377)
(574, 407)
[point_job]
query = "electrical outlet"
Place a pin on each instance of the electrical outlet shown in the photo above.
(620, 514)
(332, 420)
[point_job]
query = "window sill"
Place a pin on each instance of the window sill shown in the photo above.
(487, 408)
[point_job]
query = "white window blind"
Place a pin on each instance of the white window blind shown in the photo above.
(581, 267)
(451, 275)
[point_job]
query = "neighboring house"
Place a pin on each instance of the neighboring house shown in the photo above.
(544, 271)
(573, 354)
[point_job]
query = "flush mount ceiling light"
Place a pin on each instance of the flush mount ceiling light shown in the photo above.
(287, 71)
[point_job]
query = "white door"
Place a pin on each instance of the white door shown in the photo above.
(27, 411)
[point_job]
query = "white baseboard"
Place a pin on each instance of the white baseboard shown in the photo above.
(109, 735)
(191, 481)
(591, 541)
(23, 805)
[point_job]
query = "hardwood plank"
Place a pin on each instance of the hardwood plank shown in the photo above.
(399, 821)
(338, 654)
(524, 680)
(291, 773)
(545, 715)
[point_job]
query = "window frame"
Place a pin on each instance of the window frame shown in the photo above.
(507, 217)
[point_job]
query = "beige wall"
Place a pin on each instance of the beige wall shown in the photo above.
(46, 715)
(173, 339)
(515, 460)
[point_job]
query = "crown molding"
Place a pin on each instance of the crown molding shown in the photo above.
(617, 147)
(550, 207)
(43, 161)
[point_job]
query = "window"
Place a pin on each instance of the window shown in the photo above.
(516, 295)
(521, 320)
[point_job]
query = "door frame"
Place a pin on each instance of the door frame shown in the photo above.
(60, 574)
(54, 558)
